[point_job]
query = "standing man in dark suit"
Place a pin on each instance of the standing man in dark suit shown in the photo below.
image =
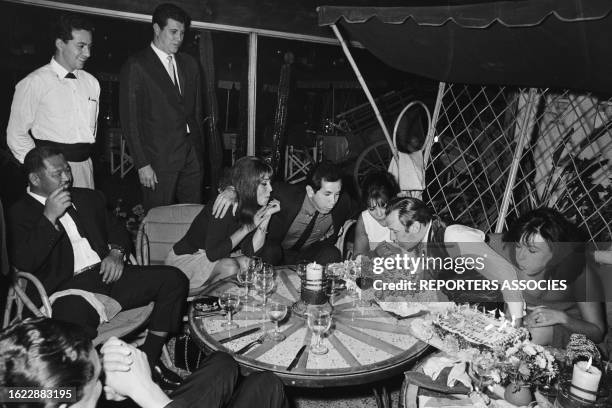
(161, 113)
(310, 219)
(67, 239)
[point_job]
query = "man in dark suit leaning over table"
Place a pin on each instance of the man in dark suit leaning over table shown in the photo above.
(161, 113)
(68, 240)
(310, 219)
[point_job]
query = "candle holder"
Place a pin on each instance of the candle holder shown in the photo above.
(313, 292)
(566, 399)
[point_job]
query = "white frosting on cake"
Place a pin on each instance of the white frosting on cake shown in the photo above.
(477, 327)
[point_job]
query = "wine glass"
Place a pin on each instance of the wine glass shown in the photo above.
(301, 269)
(229, 302)
(482, 368)
(245, 278)
(255, 264)
(265, 284)
(276, 312)
(319, 321)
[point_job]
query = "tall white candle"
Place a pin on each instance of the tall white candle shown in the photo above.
(314, 272)
(586, 377)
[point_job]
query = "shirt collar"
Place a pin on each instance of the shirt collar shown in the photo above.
(162, 54)
(308, 206)
(60, 70)
(37, 197)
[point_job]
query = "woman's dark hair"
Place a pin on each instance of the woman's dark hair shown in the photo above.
(563, 237)
(379, 187)
(46, 353)
(246, 174)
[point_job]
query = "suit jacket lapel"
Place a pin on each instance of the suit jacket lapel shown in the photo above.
(180, 68)
(158, 70)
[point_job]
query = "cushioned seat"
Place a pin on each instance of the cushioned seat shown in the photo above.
(161, 229)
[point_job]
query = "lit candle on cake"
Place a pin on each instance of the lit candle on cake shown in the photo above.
(586, 377)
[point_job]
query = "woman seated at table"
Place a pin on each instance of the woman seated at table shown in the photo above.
(544, 245)
(372, 237)
(204, 254)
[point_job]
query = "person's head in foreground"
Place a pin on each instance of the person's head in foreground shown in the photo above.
(378, 188)
(324, 184)
(408, 219)
(47, 170)
(251, 176)
(51, 354)
(543, 240)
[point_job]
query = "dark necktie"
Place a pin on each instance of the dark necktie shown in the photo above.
(306, 234)
(70, 75)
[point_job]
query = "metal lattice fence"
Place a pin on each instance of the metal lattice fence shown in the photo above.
(501, 151)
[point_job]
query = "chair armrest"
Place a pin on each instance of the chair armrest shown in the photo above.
(142, 246)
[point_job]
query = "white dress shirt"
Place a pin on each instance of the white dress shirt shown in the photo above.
(84, 256)
(55, 108)
(163, 57)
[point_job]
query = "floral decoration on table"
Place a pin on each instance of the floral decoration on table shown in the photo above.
(526, 363)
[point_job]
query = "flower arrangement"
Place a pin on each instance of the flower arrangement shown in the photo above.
(527, 363)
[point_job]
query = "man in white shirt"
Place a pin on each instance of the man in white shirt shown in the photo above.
(57, 104)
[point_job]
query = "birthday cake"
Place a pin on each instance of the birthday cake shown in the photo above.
(471, 327)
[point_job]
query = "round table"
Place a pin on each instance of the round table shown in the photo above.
(366, 344)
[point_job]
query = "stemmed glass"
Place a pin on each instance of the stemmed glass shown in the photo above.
(255, 264)
(334, 276)
(229, 302)
(319, 321)
(276, 312)
(482, 368)
(265, 283)
(245, 278)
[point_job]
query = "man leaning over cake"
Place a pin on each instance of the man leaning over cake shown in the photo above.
(418, 231)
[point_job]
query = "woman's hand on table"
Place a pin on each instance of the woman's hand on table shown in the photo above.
(544, 316)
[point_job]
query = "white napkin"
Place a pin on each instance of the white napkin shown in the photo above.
(434, 366)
